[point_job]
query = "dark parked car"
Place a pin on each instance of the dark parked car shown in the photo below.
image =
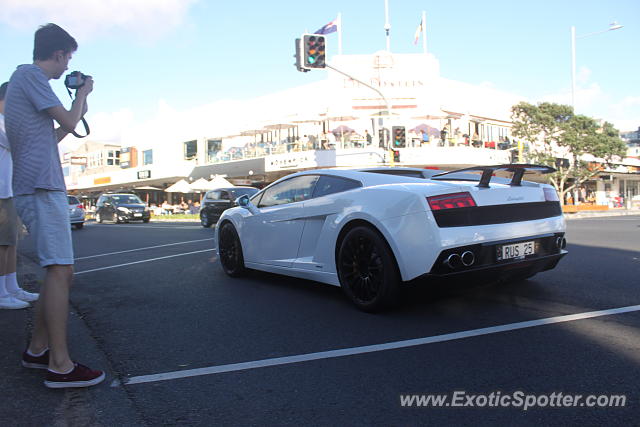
(217, 201)
(121, 208)
(76, 212)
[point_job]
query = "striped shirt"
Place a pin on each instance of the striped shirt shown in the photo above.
(31, 132)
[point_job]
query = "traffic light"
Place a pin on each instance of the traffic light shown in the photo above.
(383, 137)
(314, 51)
(299, 57)
(399, 136)
(396, 156)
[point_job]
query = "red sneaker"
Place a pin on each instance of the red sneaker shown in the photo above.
(35, 362)
(80, 376)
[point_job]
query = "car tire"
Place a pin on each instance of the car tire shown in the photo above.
(204, 220)
(79, 225)
(98, 218)
(367, 270)
(146, 220)
(230, 251)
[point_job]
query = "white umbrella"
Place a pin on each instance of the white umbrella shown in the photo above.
(200, 185)
(181, 186)
(219, 182)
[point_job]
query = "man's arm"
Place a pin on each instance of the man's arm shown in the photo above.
(68, 119)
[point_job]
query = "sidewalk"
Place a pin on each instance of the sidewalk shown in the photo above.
(598, 214)
(26, 401)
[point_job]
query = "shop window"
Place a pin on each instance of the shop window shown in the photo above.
(213, 148)
(147, 157)
(190, 150)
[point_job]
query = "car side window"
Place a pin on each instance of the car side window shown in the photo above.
(214, 195)
(334, 184)
(100, 201)
(224, 195)
(292, 190)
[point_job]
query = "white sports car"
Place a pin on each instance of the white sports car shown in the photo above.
(369, 230)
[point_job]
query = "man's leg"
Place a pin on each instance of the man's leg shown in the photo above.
(52, 312)
(12, 280)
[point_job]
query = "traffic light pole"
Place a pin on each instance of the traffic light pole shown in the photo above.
(367, 85)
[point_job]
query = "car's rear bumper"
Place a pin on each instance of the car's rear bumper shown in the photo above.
(487, 265)
(522, 268)
(77, 219)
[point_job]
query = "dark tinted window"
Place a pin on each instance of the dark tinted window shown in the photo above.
(73, 200)
(237, 192)
(399, 172)
(334, 184)
(292, 190)
(224, 195)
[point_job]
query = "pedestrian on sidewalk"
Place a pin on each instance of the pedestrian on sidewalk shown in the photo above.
(40, 196)
(12, 296)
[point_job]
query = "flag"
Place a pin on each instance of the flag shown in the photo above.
(331, 27)
(416, 36)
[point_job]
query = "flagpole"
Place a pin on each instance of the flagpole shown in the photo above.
(339, 33)
(424, 31)
(387, 26)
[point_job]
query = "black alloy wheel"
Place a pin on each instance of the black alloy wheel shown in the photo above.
(367, 270)
(230, 251)
(204, 220)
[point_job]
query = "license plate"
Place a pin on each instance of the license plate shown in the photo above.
(516, 250)
(137, 214)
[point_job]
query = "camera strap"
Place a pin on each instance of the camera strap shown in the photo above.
(84, 122)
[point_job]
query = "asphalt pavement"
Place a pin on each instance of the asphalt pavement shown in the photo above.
(183, 344)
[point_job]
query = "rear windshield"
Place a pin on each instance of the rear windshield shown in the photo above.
(400, 172)
(73, 200)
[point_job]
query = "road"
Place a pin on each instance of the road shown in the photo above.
(152, 300)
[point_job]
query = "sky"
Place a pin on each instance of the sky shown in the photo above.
(155, 61)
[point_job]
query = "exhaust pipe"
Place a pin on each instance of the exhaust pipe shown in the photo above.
(453, 261)
(468, 258)
(561, 242)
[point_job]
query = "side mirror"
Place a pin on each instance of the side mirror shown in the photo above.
(243, 201)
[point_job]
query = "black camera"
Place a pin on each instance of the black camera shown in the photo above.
(75, 79)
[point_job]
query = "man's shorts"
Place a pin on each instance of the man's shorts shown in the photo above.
(8, 223)
(46, 216)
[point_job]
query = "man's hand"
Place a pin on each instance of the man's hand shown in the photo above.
(86, 88)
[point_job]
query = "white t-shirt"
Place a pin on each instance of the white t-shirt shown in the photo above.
(6, 165)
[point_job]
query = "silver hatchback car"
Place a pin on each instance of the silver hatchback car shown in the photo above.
(76, 212)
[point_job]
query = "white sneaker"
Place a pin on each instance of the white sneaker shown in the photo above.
(23, 295)
(11, 303)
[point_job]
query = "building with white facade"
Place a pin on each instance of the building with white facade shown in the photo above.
(323, 124)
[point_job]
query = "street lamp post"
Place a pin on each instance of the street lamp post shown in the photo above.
(613, 26)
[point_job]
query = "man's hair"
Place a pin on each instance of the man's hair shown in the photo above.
(50, 38)
(3, 90)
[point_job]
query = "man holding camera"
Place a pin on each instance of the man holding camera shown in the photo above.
(40, 196)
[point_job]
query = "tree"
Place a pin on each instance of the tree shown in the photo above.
(562, 139)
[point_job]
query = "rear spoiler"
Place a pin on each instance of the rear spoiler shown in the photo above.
(487, 172)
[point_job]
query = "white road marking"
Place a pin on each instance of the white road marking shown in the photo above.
(371, 348)
(141, 249)
(140, 262)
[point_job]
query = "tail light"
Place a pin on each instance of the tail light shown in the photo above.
(550, 194)
(451, 201)
(80, 207)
